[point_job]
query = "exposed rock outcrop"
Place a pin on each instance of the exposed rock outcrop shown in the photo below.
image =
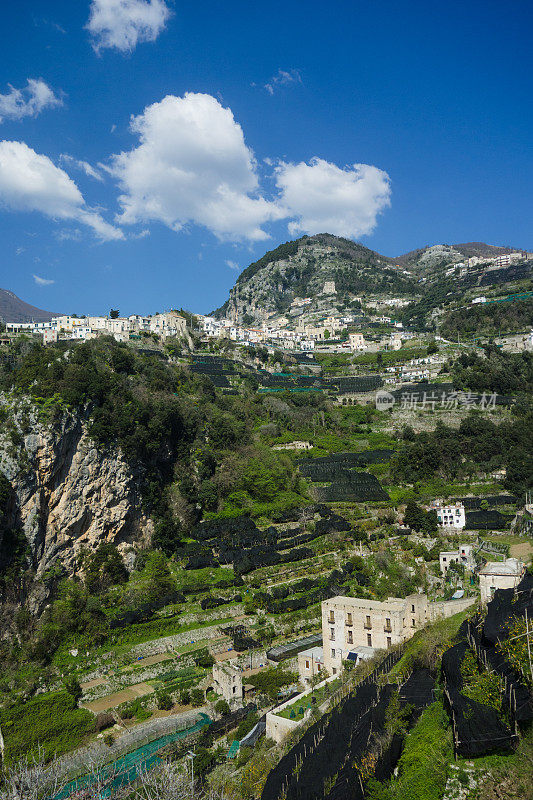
(69, 493)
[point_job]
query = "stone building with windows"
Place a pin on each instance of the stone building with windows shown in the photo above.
(352, 622)
(499, 575)
(310, 664)
(227, 679)
(450, 515)
(463, 555)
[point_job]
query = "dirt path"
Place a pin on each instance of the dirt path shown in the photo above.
(149, 660)
(124, 696)
(92, 684)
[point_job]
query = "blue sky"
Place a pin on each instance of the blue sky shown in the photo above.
(248, 119)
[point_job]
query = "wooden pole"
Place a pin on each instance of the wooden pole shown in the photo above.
(528, 647)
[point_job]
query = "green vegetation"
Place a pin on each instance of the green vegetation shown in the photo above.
(270, 681)
(389, 357)
(488, 319)
(515, 648)
(52, 721)
(424, 650)
(424, 763)
(496, 371)
(477, 446)
(481, 685)
(297, 709)
(278, 254)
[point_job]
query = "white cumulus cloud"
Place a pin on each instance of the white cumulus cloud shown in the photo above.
(42, 281)
(84, 166)
(122, 24)
(27, 102)
(30, 181)
(192, 166)
(322, 197)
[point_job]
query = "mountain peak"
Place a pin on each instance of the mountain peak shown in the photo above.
(13, 309)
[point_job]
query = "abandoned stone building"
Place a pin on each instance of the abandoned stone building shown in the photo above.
(349, 623)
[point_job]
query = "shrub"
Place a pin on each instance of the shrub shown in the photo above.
(197, 697)
(164, 701)
(222, 707)
(51, 720)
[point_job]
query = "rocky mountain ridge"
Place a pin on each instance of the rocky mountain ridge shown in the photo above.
(308, 266)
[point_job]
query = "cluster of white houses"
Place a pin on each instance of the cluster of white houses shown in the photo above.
(170, 323)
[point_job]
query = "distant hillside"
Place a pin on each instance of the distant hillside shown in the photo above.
(301, 268)
(13, 309)
(421, 257)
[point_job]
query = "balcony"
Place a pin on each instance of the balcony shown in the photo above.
(387, 629)
(367, 627)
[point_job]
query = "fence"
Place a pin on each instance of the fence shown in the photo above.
(363, 693)
(98, 754)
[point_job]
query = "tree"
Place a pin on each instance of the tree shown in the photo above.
(104, 568)
(197, 697)
(113, 314)
(73, 687)
(185, 697)
(222, 707)
(164, 701)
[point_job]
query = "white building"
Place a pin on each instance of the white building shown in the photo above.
(168, 324)
(450, 515)
(464, 555)
(499, 575)
(329, 288)
(349, 623)
(357, 342)
(310, 663)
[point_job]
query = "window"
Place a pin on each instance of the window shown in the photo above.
(369, 639)
(444, 558)
(332, 634)
(234, 689)
(350, 637)
(334, 670)
(368, 623)
(331, 616)
(388, 626)
(413, 623)
(318, 666)
(349, 619)
(412, 609)
(332, 653)
(389, 641)
(307, 664)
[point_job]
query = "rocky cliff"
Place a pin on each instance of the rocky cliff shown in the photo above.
(66, 494)
(308, 267)
(302, 268)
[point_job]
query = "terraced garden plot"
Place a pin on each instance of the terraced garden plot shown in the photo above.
(117, 698)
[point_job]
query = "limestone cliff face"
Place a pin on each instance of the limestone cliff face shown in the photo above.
(301, 268)
(68, 493)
